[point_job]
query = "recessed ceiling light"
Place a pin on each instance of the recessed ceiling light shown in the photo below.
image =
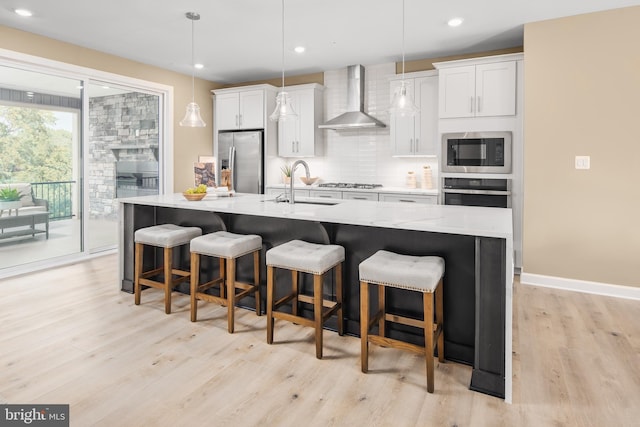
(454, 22)
(199, 66)
(299, 49)
(23, 12)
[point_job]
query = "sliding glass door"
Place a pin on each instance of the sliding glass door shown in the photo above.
(40, 134)
(71, 147)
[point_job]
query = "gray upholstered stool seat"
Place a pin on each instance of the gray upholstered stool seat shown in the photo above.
(414, 273)
(304, 257)
(166, 236)
(227, 247)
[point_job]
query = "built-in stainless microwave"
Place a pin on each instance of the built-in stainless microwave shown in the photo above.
(480, 152)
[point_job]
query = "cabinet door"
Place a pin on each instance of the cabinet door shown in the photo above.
(457, 92)
(227, 107)
(402, 128)
(251, 109)
(496, 89)
(296, 137)
(409, 198)
(426, 128)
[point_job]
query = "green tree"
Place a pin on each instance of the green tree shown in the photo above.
(31, 150)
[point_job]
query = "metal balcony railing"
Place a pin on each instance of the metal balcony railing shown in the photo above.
(59, 195)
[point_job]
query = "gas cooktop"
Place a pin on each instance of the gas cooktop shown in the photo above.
(349, 185)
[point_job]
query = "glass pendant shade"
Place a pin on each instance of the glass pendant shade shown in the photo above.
(192, 117)
(284, 110)
(402, 103)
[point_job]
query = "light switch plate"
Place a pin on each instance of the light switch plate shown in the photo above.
(583, 162)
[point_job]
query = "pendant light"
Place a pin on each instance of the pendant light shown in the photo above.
(192, 116)
(284, 109)
(402, 104)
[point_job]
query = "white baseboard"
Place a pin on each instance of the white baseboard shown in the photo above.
(606, 289)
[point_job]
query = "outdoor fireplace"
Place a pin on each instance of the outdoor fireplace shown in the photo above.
(136, 178)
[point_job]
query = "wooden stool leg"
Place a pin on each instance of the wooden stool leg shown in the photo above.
(339, 312)
(270, 292)
(317, 312)
(364, 326)
(440, 319)
(294, 289)
(231, 292)
(381, 307)
(256, 281)
(168, 266)
(428, 337)
(223, 282)
(138, 272)
(195, 277)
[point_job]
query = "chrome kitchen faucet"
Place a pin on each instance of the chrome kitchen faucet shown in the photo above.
(293, 169)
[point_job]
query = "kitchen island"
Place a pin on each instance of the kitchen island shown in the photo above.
(476, 243)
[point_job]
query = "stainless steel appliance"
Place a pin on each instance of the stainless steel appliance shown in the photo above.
(479, 152)
(136, 178)
(487, 192)
(242, 153)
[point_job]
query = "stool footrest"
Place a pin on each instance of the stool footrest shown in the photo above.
(375, 319)
(211, 298)
(393, 343)
(283, 300)
(212, 283)
(245, 292)
(418, 323)
(293, 318)
(309, 300)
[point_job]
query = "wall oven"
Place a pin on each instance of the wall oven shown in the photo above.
(477, 152)
(487, 192)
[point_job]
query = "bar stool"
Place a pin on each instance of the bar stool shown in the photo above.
(414, 273)
(227, 247)
(303, 257)
(166, 236)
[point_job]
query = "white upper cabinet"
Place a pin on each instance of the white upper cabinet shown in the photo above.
(416, 135)
(242, 109)
(481, 90)
(300, 136)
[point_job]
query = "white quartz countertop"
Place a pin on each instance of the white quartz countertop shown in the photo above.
(466, 220)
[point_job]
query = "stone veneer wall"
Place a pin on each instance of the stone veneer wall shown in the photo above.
(131, 119)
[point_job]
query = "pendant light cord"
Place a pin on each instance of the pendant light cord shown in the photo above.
(193, 60)
(402, 40)
(283, 45)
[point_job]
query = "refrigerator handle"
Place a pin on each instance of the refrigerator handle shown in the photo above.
(232, 166)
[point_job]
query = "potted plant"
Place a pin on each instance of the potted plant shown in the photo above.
(286, 173)
(10, 198)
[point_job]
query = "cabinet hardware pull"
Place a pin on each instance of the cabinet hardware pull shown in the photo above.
(240, 120)
(237, 121)
(416, 146)
(471, 104)
(478, 107)
(359, 198)
(408, 201)
(293, 146)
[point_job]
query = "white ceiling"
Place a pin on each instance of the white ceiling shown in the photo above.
(240, 40)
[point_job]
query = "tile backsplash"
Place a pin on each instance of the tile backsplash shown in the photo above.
(365, 155)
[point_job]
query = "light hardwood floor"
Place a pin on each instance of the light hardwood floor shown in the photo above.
(70, 335)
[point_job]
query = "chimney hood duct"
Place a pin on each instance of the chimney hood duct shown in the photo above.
(355, 117)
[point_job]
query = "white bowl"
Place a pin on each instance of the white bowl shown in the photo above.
(308, 181)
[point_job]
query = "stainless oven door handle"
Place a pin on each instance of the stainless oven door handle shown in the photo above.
(483, 192)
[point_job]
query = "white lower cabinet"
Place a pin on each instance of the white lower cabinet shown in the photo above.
(323, 194)
(409, 198)
(355, 195)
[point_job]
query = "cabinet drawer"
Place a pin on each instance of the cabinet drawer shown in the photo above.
(354, 195)
(409, 198)
(325, 194)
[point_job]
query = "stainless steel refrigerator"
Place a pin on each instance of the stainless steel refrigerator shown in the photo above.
(242, 153)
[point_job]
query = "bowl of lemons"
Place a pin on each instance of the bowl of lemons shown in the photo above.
(195, 193)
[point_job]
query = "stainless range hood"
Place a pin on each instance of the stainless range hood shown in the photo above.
(355, 117)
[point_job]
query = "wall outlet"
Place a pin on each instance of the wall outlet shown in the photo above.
(583, 162)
